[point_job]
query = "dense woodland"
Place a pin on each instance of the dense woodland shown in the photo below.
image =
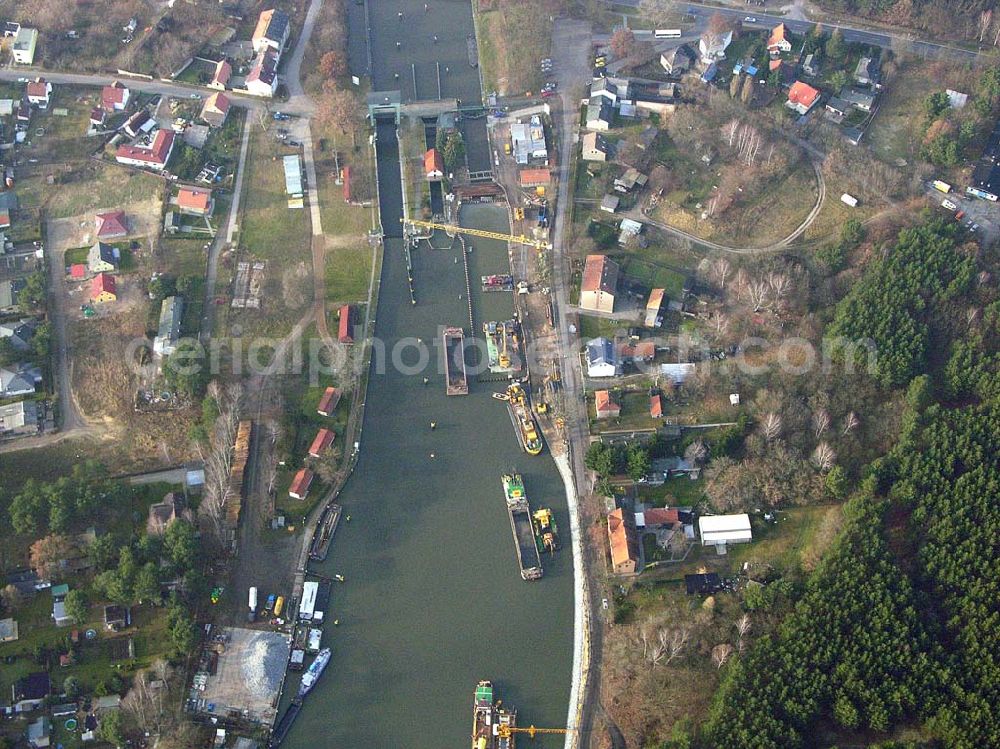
(897, 625)
(963, 19)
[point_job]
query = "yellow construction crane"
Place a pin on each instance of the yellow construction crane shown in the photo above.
(538, 244)
(505, 732)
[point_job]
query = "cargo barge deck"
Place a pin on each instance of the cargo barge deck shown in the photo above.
(326, 527)
(519, 511)
(454, 362)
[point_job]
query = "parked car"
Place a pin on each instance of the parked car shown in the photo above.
(749, 19)
(949, 205)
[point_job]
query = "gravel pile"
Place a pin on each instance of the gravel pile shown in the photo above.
(264, 666)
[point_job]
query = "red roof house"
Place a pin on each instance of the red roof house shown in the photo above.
(111, 224)
(656, 406)
(221, 76)
(78, 271)
(97, 116)
(661, 516)
(114, 98)
(433, 165)
(102, 288)
(535, 177)
(300, 484)
(328, 401)
(324, 438)
(344, 333)
(802, 97)
(155, 156)
(778, 41)
(195, 200)
(605, 405)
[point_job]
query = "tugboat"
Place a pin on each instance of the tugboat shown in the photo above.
(546, 532)
(523, 420)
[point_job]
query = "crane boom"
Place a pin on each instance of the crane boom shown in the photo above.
(538, 244)
(505, 732)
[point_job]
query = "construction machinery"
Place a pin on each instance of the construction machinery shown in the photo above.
(506, 732)
(504, 358)
(538, 244)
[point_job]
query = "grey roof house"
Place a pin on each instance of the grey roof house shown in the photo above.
(19, 379)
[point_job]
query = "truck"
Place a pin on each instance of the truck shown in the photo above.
(941, 186)
(252, 603)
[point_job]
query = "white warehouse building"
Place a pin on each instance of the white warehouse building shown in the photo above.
(719, 530)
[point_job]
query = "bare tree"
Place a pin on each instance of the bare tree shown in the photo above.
(821, 422)
(743, 628)
(985, 21)
(661, 645)
(771, 426)
(721, 653)
(720, 271)
(696, 452)
(823, 457)
(850, 423)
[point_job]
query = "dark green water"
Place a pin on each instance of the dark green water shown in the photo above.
(433, 599)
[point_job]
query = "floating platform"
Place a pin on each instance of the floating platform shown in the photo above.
(456, 382)
(503, 346)
(497, 282)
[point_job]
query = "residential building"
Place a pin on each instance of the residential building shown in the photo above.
(9, 291)
(216, 109)
(38, 92)
(195, 201)
(262, 80)
(433, 165)
(59, 615)
(610, 203)
(528, 141)
(40, 733)
(605, 88)
(19, 333)
(114, 98)
(629, 230)
(631, 179)
(221, 75)
(10, 29)
(328, 401)
(97, 117)
(678, 60)
(712, 47)
(867, 73)
(719, 530)
(595, 147)
(778, 42)
(111, 225)
(8, 630)
(534, 177)
(600, 114)
(271, 32)
(169, 330)
(985, 181)
(802, 97)
(118, 617)
(858, 99)
(154, 156)
(605, 405)
(810, 66)
(103, 288)
(19, 379)
(18, 419)
(599, 284)
(624, 542)
(656, 406)
(601, 359)
(653, 307)
(837, 106)
(321, 442)
(103, 257)
(345, 327)
(632, 351)
(163, 514)
(140, 122)
(23, 50)
(23, 115)
(29, 692)
(657, 517)
(300, 484)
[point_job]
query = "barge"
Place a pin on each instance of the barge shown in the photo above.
(503, 346)
(454, 362)
(523, 420)
(324, 532)
(521, 527)
(285, 724)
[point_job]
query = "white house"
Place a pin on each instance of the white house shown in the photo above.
(713, 46)
(601, 360)
(39, 91)
(719, 530)
(262, 80)
(24, 46)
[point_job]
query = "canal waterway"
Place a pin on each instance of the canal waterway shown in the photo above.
(433, 600)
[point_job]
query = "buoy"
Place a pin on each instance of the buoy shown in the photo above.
(434, 425)
(336, 622)
(426, 380)
(348, 518)
(432, 456)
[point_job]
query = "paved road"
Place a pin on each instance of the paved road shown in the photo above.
(923, 47)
